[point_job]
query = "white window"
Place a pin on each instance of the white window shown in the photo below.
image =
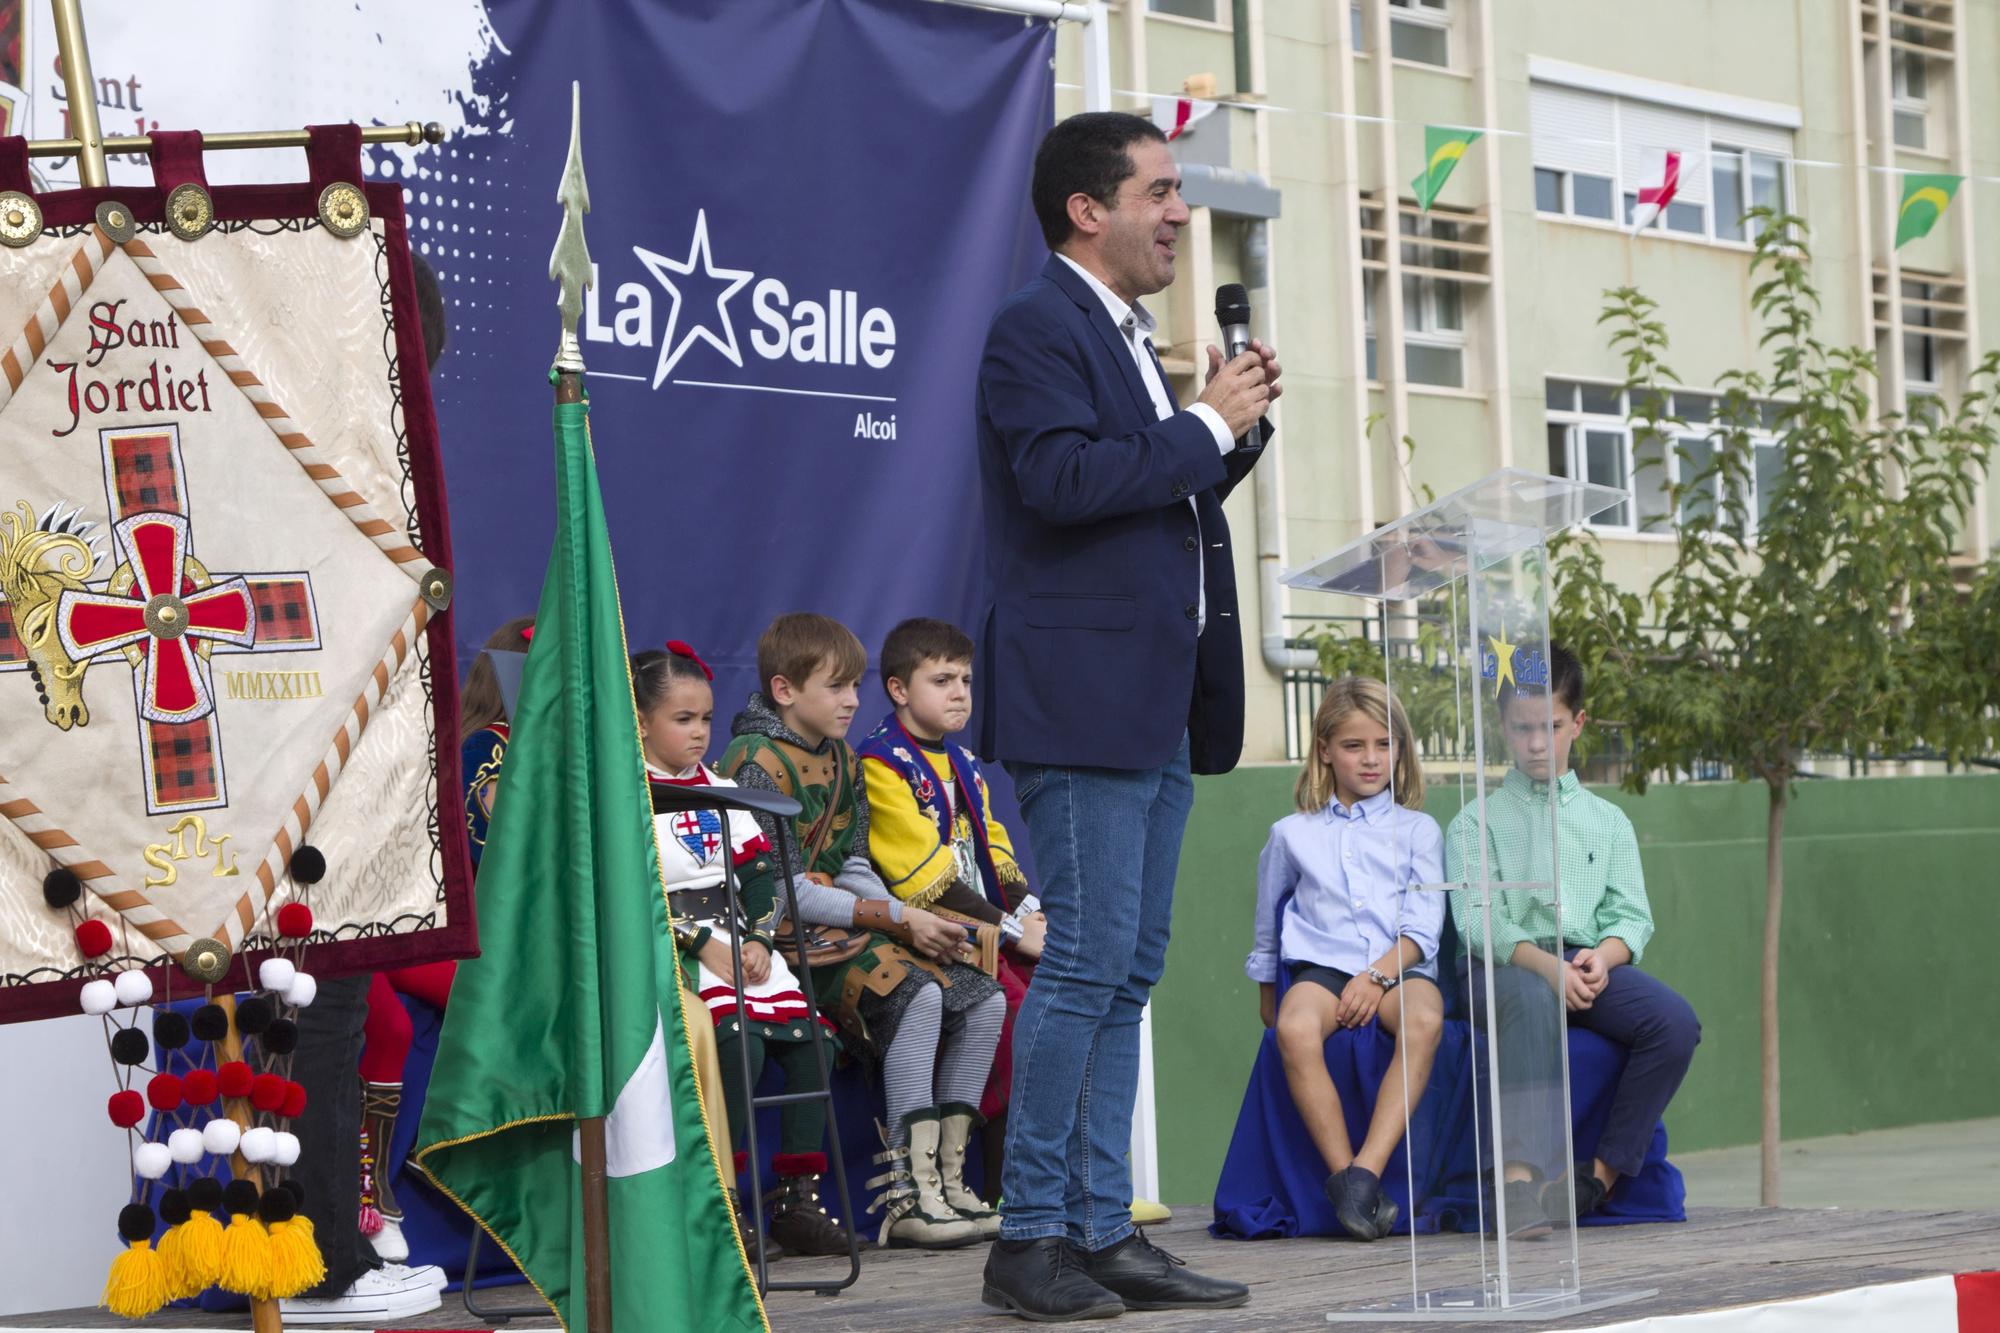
(1921, 370)
(1368, 280)
(1591, 438)
(1433, 306)
(1420, 30)
(1910, 104)
(1206, 11)
(1594, 152)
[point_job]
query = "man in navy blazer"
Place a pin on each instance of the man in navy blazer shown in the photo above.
(1111, 667)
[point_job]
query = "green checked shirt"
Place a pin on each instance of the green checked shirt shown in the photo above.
(1603, 888)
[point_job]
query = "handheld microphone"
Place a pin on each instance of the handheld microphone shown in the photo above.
(1232, 312)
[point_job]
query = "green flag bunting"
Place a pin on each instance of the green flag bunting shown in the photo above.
(1925, 197)
(1443, 147)
(572, 1009)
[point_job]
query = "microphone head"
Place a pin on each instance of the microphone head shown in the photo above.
(1232, 304)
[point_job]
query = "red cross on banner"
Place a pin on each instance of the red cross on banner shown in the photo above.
(167, 614)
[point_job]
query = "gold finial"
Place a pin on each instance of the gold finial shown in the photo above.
(569, 262)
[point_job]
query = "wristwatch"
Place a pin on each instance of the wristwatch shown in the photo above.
(1384, 981)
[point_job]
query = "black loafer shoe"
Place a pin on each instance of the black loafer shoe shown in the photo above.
(1356, 1195)
(1525, 1218)
(1386, 1214)
(1589, 1191)
(1043, 1280)
(1146, 1277)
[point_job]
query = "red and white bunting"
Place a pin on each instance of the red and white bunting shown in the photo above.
(1660, 181)
(1174, 115)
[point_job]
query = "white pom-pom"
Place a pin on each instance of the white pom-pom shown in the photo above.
(98, 997)
(277, 974)
(221, 1136)
(259, 1144)
(286, 1151)
(185, 1146)
(151, 1160)
(303, 990)
(134, 987)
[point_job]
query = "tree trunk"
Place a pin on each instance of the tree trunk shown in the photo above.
(1774, 901)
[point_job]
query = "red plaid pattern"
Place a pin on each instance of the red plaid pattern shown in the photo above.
(145, 475)
(10, 643)
(183, 761)
(284, 611)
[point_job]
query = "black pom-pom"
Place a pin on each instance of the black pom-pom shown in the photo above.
(135, 1222)
(61, 887)
(170, 1030)
(174, 1207)
(296, 1190)
(240, 1196)
(204, 1194)
(280, 1038)
(276, 1206)
(210, 1023)
(129, 1046)
(254, 1015)
(308, 864)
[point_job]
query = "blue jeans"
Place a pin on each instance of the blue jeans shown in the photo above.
(1107, 845)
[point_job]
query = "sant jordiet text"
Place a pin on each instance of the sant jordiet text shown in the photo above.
(155, 390)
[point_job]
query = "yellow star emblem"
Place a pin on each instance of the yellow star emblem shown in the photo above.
(1503, 655)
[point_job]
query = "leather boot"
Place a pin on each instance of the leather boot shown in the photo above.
(381, 1216)
(799, 1224)
(913, 1209)
(746, 1223)
(955, 1122)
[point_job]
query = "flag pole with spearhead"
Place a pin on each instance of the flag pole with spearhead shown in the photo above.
(569, 266)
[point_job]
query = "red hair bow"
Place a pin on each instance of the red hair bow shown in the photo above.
(679, 649)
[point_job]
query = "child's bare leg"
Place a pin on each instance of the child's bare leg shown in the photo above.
(1416, 1010)
(1305, 1020)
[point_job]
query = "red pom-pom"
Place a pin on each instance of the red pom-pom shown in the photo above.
(127, 1108)
(295, 921)
(164, 1091)
(528, 634)
(199, 1087)
(295, 1101)
(94, 938)
(234, 1079)
(267, 1092)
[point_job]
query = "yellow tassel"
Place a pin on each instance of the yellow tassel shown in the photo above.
(137, 1284)
(305, 1224)
(246, 1257)
(296, 1266)
(171, 1259)
(197, 1264)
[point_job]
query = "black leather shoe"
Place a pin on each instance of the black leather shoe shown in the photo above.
(1356, 1196)
(1146, 1277)
(1044, 1281)
(1525, 1218)
(1588, 1191)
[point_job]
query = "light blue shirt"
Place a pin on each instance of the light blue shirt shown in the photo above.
(1352, 872)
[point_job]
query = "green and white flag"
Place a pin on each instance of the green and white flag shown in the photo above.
(1442, 149)
(1925, 198)
(573, 1007)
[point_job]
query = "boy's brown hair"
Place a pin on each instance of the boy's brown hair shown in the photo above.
(920, 640)
(796, 645)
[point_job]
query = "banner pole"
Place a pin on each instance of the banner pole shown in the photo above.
(74, 52)
(569, 265)
(264, 1314)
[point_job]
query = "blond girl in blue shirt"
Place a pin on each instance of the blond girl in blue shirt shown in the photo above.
(1360, 939)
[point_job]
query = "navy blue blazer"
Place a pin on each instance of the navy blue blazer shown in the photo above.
(1089, 654)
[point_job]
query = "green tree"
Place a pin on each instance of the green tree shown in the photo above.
(1830, 622)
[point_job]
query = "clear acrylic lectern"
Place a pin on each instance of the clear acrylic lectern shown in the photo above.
(1461, 590)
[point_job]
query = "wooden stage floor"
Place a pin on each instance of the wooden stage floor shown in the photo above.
(1721, 1257)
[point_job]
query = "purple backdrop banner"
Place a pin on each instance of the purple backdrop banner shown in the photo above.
(803, 215)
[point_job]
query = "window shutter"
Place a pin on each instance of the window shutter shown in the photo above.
(1748, 134)
(1573, 130)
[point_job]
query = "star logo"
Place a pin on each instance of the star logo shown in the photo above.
(1503, 660)
(675, 342)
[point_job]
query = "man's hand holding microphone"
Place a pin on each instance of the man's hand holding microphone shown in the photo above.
(1242, 387)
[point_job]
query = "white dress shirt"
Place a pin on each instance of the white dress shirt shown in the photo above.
(1137, 324)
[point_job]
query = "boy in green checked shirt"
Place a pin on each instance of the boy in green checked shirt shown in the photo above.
(1605, 925)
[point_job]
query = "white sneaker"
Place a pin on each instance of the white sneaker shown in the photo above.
(431, 1275)
(373, 1296)
(390, 1247)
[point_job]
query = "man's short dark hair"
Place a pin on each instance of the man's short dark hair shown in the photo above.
(921, 640)
(1086, 154)
(1565, 680)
